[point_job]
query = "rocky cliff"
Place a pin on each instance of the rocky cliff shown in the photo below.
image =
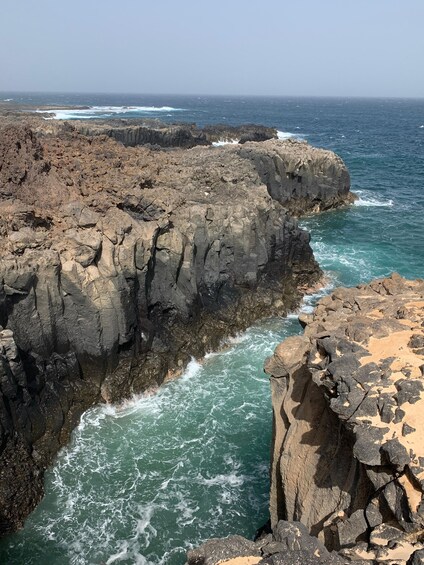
(348, 453)
(117, 264)
(146, 133)
(348, 420)
(153, 132)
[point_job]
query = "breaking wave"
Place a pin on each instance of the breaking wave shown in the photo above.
(368, 199)
(222, 142)
(107, 112)
(282, 135)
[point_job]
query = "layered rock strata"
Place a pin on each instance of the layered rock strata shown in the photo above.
(117, 264)
(348, 401)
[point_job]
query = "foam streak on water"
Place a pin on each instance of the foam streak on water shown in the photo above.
(367, 198)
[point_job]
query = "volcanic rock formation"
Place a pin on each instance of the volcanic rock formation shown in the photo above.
(348, 451)
(117, 264)
(152, 132)
(289, 544)
(348, 458)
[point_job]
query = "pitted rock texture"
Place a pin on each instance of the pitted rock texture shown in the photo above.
(289, 544)
(348, 401)
(117, 264)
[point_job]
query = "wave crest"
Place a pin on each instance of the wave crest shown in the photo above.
(371, 200)
(106, 112)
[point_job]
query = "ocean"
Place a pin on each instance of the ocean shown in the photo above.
(144, 481)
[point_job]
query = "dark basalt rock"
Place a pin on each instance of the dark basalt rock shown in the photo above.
(132, 133)
(243, 133)
(127, 262)
(289, 544)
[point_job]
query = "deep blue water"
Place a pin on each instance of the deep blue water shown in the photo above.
(142, 482)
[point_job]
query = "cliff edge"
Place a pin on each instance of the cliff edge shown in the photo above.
(348, 401)
(347, 469)
(117, 264)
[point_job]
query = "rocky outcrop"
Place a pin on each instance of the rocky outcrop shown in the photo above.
(184, 136)
(116, 266)
(302, 178)
(289, 544)
(347, 470)
(242, 134)
(150, 132)
(302, 181)
(348, 456)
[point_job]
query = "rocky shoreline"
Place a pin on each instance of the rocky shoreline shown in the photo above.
(137, 131)
(347, 463)
(120, 263)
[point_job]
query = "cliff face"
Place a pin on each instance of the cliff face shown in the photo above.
(348, 420)
(302, 181)
(118, 264)
(174, 135)
(347, 470)
(133, 135)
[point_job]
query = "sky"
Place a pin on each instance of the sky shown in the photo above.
(231, 47)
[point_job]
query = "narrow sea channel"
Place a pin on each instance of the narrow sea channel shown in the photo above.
(141, 482)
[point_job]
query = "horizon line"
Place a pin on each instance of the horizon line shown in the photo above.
(115, 93)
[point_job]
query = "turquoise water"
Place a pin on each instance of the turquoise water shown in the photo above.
(142, 482)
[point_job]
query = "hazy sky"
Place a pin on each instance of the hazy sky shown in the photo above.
(277, 47)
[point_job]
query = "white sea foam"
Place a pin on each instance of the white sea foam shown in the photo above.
(191, 370)
(376, 203)
(239, 338)
(285, 135)
(105, 111)
(7, 99)
(222, 142)
(229, 480)
(422, 126)
(292, 316)
(367, 199)
(309, 300)
(120, 555)
(211, 354)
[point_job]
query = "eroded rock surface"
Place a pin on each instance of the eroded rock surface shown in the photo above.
(347, 470)
(117, 264)
(132, 133)
(289, 544)
(348, 400)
